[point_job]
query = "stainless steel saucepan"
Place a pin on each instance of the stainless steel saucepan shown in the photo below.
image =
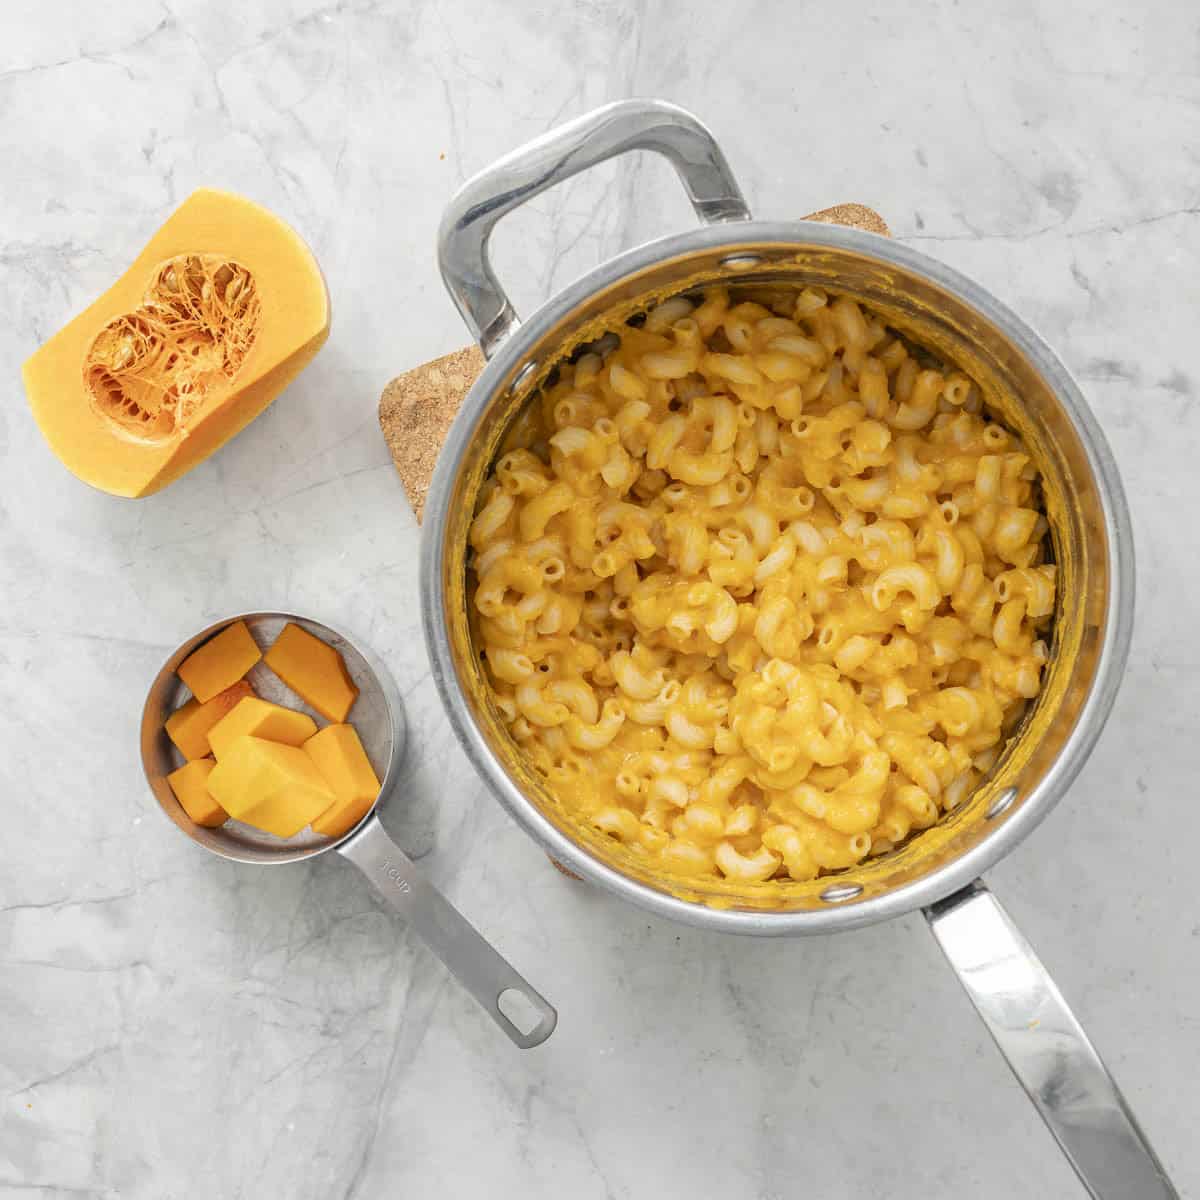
(378, 716)
(939, 870)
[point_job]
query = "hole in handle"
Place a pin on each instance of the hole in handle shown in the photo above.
(520, 1010)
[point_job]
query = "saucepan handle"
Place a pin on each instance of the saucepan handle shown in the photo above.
(1047, 1048)
(476, 964)
(552, 158)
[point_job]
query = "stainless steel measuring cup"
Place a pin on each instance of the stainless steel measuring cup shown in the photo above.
(378, 715)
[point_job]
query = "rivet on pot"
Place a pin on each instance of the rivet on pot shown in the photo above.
(835, 893)
(522, 375)
(1002, 803)
(741, 262)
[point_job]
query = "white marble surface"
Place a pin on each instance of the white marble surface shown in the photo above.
(175, 1026)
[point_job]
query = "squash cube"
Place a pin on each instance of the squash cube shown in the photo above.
(313, 670)
(188, 726)
(190, 785)
(260, 718)
(342, 761)
(272, 787)
(220, 662)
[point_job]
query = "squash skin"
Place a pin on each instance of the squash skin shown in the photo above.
(294, 323)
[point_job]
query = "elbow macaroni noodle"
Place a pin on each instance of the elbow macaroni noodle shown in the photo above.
(762, 590)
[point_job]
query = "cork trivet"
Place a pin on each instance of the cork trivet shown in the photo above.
(416, 408)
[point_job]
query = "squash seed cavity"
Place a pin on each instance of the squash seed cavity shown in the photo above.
(148, 371)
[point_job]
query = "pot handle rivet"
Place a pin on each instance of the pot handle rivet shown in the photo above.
(741, 262)
(1001, 804)
(836, 893)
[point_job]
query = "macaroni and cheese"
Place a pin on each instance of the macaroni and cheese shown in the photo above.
(761, 588)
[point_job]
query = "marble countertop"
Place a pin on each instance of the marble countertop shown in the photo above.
(172, 1025)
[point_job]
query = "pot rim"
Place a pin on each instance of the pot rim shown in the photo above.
(1093, 713)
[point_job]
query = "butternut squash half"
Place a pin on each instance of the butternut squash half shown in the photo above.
(218, 314)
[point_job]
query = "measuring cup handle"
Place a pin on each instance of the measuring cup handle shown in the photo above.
(474, 962)
(1047, 1048)
(552, 158)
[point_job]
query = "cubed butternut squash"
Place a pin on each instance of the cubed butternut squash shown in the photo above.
(188, 726)
(274, 788)
(260, 718)
(342, 761)
(190, 785)
(220, 662)
(314, 670)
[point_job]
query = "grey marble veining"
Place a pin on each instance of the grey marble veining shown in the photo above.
(175, 1026)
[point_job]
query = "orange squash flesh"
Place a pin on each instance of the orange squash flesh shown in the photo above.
(339, 756)
(188, 725)
(217, 315)
(220, 662)
(314, 670)
(190, 785)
